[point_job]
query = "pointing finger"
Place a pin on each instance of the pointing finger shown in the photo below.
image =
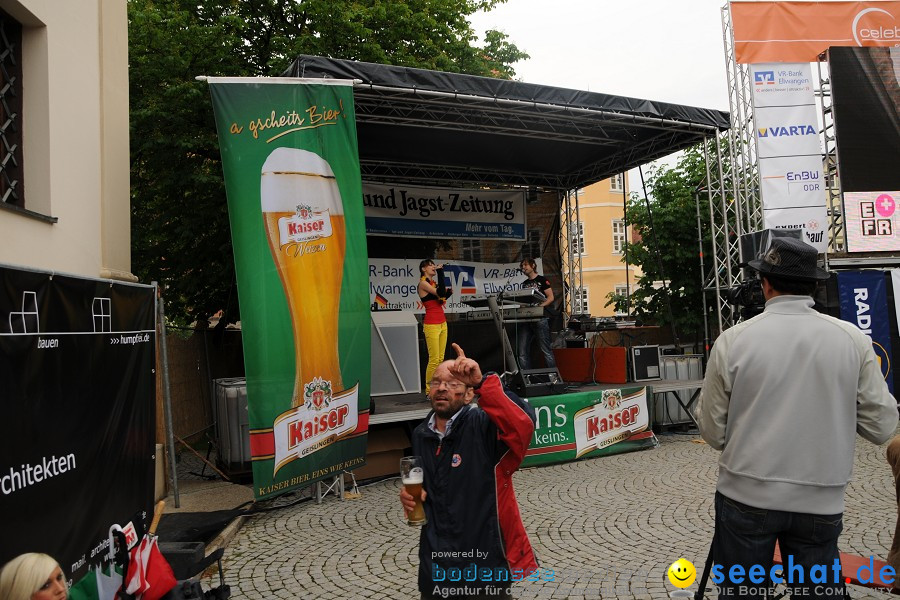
(459, 351)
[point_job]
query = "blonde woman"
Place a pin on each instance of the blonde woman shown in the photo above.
(33, 576)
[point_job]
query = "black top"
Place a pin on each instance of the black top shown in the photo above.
(497, 132)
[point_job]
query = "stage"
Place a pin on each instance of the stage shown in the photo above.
(413, 407)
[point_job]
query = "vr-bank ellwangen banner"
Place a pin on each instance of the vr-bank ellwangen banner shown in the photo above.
(393, 282)
(291, 165)
(434, 212)
(78, 398)
(863, 296)
(588, 424)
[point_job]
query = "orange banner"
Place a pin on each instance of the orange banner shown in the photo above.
(796, 32)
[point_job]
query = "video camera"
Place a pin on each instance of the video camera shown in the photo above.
(748, 294)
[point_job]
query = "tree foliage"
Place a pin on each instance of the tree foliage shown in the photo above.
(180, 229)
(665, 247)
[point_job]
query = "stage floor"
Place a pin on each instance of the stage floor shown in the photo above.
(414, 407)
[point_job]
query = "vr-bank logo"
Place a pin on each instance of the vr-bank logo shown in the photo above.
(875, 29)
(461, 278)
(764, 78)
(789, 131)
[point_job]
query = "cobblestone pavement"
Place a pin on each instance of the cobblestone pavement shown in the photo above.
(608, 528)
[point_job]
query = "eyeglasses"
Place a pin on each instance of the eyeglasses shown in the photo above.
(451, 385)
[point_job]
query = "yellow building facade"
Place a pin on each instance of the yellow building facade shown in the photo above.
(597, 242)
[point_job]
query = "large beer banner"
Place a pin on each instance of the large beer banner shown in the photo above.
(589, 424)
(77, 437)
(291, 166)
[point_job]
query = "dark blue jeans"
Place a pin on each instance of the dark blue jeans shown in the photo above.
(527, 333)
(745, 536)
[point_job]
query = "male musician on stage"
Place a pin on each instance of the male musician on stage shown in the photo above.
(540, 328)
(785, 394)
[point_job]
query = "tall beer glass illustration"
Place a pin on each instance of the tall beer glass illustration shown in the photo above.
(304, 221)
(413, 476)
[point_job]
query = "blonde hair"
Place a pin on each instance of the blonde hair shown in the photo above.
(25, 574)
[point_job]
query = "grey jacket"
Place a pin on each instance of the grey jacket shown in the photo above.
(784, 395)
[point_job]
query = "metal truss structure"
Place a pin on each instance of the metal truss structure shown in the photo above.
(740, 211)
(571, 260)
(836, 236)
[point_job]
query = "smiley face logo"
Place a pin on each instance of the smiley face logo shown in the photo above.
(682, 573)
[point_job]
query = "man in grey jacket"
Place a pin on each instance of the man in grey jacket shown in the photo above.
(784, 395)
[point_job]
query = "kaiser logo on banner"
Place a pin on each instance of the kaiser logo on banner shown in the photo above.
(615, 418)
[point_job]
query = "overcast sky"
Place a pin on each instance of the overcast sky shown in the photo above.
(665, 50)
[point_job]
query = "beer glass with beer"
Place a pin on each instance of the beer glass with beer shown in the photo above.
(304, 223)
(412, 475)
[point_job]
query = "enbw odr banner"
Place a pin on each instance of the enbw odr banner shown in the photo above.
(291, 166)
(588, 424)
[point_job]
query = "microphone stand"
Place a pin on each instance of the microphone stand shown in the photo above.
(509, 357)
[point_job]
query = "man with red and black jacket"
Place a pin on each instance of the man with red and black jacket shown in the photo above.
(474, 544)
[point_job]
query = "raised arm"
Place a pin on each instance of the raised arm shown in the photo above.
(513, 417)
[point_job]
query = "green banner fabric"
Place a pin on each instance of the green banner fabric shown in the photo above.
(291, 164)
(588, 424)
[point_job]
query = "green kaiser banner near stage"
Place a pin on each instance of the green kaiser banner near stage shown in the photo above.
(589, 424)
(291, 166)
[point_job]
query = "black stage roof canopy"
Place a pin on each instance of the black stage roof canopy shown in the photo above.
(431, 127)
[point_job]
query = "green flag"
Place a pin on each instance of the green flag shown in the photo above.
(291, 166)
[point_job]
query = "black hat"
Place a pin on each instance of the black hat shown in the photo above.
(791, 259)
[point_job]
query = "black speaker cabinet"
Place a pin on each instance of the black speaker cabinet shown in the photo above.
(539, 382)
(645, 362)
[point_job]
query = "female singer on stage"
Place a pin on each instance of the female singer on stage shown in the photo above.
(433, 293)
